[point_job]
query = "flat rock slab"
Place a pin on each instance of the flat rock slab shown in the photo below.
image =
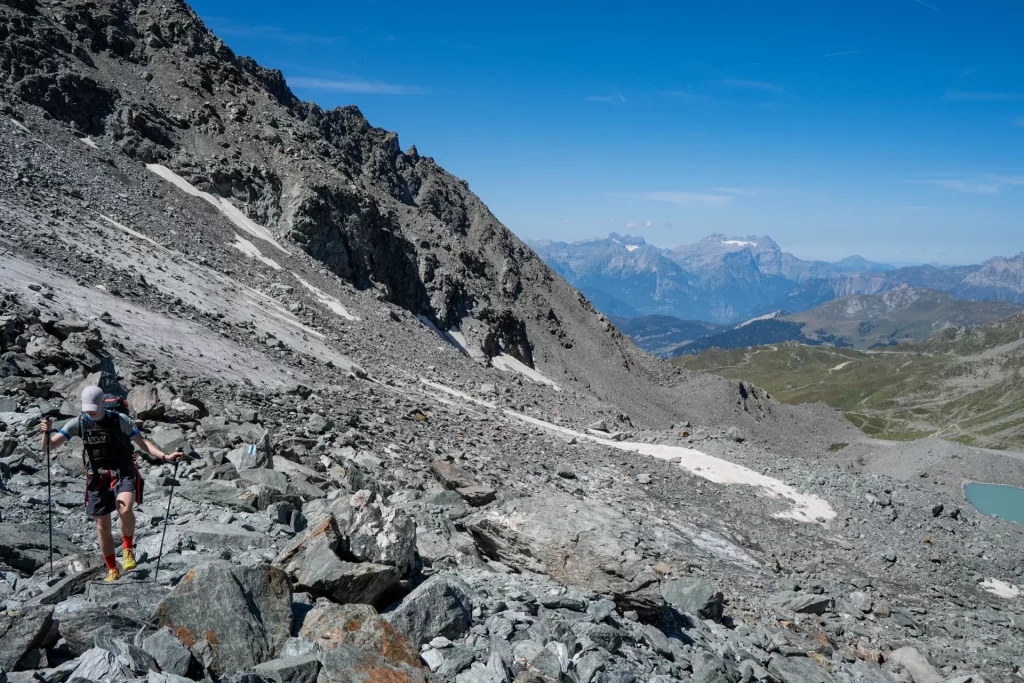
(300, 669)
(691, 595)
(243, 613)
(26, 546)
(216, 492)
(581, 543)
(20, 632)
(802, 603)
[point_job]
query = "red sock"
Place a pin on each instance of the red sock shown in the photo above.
(111, 561)
(128, 541)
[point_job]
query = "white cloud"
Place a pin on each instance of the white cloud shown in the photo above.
(754, 85)
(976, 96)
(617, 97)
(686, 199)
(630, 225)
(354, 85)
(648, 224)
(985, 185)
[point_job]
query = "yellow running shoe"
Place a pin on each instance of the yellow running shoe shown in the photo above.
(128, 559)
(112, 575)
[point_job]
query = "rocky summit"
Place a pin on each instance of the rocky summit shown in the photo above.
(414, 451)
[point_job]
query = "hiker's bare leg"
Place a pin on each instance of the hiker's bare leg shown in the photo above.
(103, 533)
(125, 511)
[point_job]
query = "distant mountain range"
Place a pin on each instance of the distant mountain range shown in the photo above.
(729, 279)
(863, 321)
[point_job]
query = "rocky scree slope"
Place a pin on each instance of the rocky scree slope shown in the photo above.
(361, 529)
(407, 511)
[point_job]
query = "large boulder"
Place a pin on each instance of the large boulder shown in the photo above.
(144, 402)
(315, 566)
(348, 664)
(369, 530)
(581, 543)
(26, 546)
(170, 654)
(441, 606)
(803, 603)
(462, 482)
(916, 664)
(690, 595)
(243, 613)
(22, 631)
(332, 626)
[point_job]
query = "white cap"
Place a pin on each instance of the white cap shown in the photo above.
(92, 399)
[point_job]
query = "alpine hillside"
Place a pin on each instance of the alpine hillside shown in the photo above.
(415, 451)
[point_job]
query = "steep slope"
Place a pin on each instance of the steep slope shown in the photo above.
(963, 384)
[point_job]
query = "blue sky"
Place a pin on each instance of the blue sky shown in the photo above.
(889, 128)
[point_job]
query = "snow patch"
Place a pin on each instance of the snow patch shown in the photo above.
(632, 247)
(133, 233)
(19, 124)
(806, 508)
(1000, 588)
(739, 243)
(89, 142)
(766, 316)
(251, 250)
(326, 299)
(230, 211)
(840, 366)
(508, 363)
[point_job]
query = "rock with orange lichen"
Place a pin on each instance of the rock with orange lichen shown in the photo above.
(243, 613)
(358, 626)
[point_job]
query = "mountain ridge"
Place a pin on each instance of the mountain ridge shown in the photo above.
(729, 279)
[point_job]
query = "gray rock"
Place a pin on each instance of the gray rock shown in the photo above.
(221, 493)
(144, 402)
(314, 564)
(165, 677)
(255, 454)
(350, 664)
(301, 669)
(920, 669)
(375, 532)
(169, 652)
(582, 543)
(99, 664)
(803, 603)
(244, 613)
(861, 601)
(798, 670)
(602, 635)
(26, 546)
(442, 606)
(690, 595)
(22, 631)
(590, 665)
(169, 438)
(531, 656)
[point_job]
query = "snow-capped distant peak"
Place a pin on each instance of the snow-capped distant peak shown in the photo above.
(632, 247)
(739, 243)
(766, 316)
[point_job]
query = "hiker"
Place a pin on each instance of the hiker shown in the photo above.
(112, 479)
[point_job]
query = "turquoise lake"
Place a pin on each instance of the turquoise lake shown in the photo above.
(994, 499)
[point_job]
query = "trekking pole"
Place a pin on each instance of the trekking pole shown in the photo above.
(167, 516)
(49, 492)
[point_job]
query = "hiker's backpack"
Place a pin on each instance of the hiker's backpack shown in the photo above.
(113, 436)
